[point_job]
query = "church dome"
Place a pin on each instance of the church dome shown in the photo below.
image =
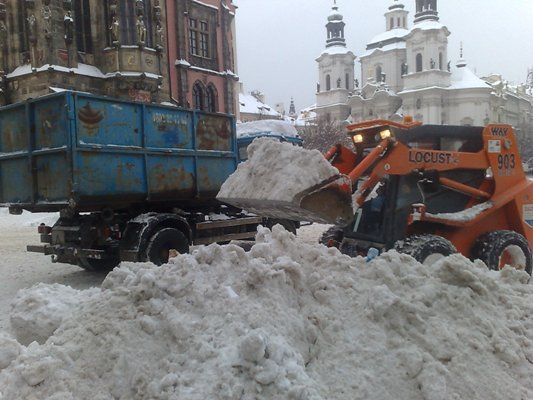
(335, 15)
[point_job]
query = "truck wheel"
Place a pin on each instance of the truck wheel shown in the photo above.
(500, 248)
(426, 249)
(332, 237)
(163, 241)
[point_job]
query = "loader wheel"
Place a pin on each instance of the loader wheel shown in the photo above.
(94, 265)
(332, 237)
(163, 242)
(426, 249)
(500, 248)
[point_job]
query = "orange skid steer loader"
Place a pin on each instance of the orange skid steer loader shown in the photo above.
(429, 191)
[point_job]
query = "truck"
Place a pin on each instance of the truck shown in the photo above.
(130, 181)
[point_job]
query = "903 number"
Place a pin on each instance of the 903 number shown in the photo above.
(506, 162)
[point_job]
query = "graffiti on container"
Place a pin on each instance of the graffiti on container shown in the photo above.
(90, 117)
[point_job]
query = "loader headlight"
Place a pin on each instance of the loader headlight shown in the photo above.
(385, 134)
(358, 139)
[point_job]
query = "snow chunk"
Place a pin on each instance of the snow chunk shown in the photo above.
(276, 171)
(267, 127)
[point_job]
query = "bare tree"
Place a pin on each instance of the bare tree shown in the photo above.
(525, 141)
(324, 135)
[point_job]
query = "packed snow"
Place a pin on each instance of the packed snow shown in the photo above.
(466, 215)
(275, 174)
(286, 320)
(267, 127)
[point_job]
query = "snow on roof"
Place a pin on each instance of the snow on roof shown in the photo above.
(267, 127)
(250, 105)
(427, 25)
(82, 69)
(464, 78)
(397, 33)
(333, 50)
(389, 47)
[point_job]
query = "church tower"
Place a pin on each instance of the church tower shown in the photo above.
(336, 66)
(427, 49)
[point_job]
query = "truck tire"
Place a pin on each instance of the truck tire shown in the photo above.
(159, 246)
(332, 237)
(426, 249)
(500, 248)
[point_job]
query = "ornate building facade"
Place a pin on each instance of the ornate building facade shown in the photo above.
(179, 51)
(406, 70)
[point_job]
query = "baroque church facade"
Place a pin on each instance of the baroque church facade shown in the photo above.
(406, 70)
(167, 51)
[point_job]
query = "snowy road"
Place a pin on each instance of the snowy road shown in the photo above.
(20, 269)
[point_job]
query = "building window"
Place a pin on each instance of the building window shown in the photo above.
(404, 22)
(441, 62)
(24, 42)
(82, 20)
(199, 38)
(399, 22)
(379, 73)
(198, 95)
(419, 65)
(347, 81)
(391, 23)
(328, 82)
(211, 99)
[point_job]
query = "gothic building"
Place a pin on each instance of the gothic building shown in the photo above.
(179, 51)
(406, 70)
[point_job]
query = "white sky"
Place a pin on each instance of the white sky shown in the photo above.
(279, 40)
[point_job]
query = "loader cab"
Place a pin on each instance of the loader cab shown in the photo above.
(383, 218)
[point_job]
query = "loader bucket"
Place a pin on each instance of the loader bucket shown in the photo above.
(329, 202)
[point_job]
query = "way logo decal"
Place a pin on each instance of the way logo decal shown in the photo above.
(528, 214)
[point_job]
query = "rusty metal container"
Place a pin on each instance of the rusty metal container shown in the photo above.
(89, 153)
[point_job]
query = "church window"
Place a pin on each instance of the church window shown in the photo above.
(399, 22)
(441, 62)
(379, 73)
(82, 19)
(392, 23)
(198, 95)
(211, 99)
(23, 28)
(347, 81)
(419, 65)
(199, 38)
(328, 82)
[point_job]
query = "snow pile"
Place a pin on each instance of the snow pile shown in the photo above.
(267, 127)
(276, 171)
(285, 321)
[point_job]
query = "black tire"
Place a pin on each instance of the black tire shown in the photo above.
(94, 265)
(332, 237)
(490, 249)
(421, 247)
(288, 225)
(162, 242)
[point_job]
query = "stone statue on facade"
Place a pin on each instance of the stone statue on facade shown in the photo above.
(449, 67)
(432, 64)
(159, 37)
(141, 30)
(32, 28)
(47, 17)
(3, 35)
(356, 83)
(115, 31)
(68, 26)
(339, 82)
(405, 69)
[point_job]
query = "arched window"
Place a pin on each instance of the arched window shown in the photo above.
(24, 42)
(328, 82)
(211, 99)
(419, 65)
(347, 81)
(379, 73)
(198, 96)
(399, 22)
(392, 23)
(82, 22)
(441, 62)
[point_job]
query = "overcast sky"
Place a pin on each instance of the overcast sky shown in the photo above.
(279, 40)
